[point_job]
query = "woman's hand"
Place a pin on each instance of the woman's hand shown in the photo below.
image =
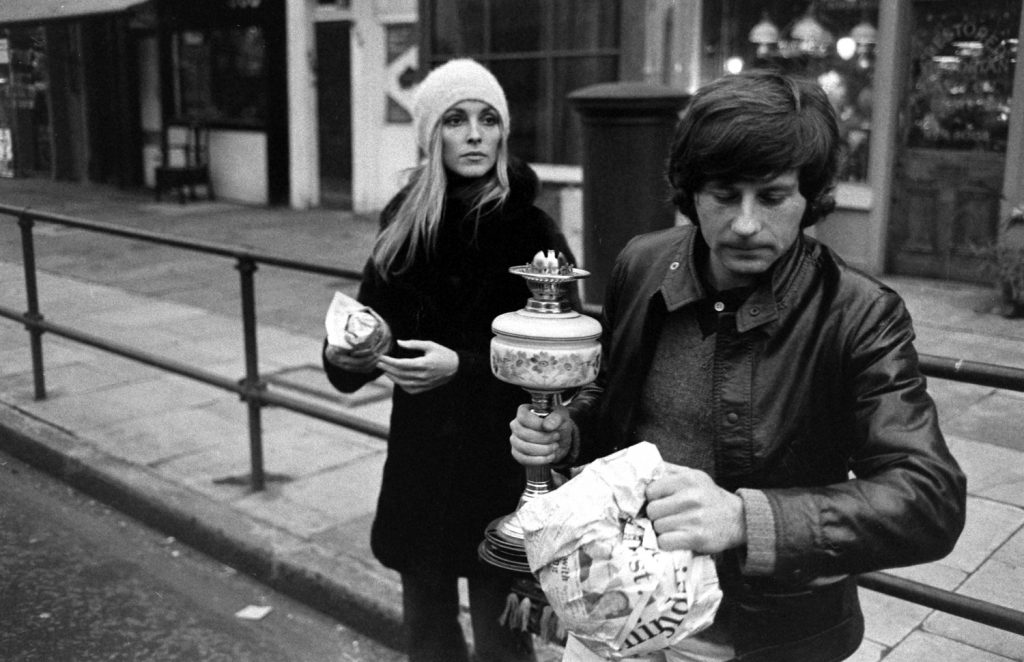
(436, 366)
(364, 357)
(353, 360)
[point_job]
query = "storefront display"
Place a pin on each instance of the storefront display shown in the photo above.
(832, 42)
(953, 139)
(962, 69)
(24, 116)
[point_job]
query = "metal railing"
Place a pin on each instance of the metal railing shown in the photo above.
(252, 388)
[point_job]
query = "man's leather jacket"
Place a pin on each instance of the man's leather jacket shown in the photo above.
(819, 404)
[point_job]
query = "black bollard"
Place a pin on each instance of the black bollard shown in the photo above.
(627, 131)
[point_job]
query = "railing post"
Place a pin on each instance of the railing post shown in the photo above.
(33, 317)
(252, 383)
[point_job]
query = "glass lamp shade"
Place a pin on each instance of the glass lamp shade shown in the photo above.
(811, 35)
(764, 32)
(864, 34)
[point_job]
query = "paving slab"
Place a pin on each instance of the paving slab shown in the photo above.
(993, 472)
(1013, 551)
(888, 620)
(869, 651)
(921, 646)
(347, 492)
(997, 582)
(994, 419)
(989, 525)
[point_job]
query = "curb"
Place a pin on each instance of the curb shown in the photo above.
(343, 587)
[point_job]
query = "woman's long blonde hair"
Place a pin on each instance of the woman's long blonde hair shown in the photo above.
(413, 227)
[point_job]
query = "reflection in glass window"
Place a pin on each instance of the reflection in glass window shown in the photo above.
(830, 41)
(962, 75)
(221, 75)
(540, 50)
(24, 103)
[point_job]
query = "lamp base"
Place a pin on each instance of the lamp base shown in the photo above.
(503, 545)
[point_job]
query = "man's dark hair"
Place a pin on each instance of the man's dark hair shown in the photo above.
(754, 126)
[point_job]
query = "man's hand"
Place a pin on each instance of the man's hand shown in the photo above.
(436, 366)
(541, 439)
(689, 511)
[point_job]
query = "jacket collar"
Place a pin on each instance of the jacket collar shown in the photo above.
(682, 286)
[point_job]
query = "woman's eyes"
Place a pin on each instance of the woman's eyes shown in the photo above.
(487, 119)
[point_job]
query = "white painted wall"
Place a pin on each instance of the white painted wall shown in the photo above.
(381, 152)
(844, 229)
(149, 98)
(238, 165)
(303, 129)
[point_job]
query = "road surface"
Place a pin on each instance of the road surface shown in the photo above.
(80, 581)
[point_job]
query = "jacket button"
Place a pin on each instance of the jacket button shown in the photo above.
(732, 417)
(673, 266)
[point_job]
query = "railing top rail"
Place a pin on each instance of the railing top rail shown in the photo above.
(973, 372)
(222, 250)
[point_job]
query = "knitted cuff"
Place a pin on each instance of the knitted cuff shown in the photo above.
(761, 540)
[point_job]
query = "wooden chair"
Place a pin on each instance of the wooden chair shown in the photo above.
(185, 160)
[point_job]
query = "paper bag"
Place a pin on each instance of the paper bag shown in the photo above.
(352, 325)
(599, 565)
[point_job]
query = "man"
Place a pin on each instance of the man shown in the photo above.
(781, 385)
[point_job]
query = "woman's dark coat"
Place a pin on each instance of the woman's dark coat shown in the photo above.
(449, 470)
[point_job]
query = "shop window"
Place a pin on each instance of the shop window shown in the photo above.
(221, 75)
(830, 41)
(540, 51)
(962, 75)
(24, 98)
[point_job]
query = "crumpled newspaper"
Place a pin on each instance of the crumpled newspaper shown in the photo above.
(352, 325)
(598, 562)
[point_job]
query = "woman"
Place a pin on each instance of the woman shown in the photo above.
(438, 275)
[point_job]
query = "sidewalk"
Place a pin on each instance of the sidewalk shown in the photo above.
(175, 452)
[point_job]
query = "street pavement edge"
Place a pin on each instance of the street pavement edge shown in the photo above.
(343, 587)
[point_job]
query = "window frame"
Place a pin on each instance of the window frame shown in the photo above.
(179, 113)
(546, 56)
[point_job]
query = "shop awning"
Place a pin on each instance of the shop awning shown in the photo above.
(38, 11)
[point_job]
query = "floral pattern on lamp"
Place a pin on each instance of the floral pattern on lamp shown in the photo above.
(555, 369)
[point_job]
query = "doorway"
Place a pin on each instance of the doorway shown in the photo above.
(953, 139)
(334, 105)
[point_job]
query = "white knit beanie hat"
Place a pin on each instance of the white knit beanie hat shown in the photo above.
(447, 85)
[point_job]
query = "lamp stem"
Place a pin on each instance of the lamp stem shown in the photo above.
(538, 477)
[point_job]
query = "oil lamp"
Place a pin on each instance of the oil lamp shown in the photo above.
(546, 348)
